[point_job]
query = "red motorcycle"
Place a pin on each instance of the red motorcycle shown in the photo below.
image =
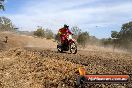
(68, 45)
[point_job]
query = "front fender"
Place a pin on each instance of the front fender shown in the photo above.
(71, 41)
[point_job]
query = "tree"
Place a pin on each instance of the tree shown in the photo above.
(115, 39)
(114, 34)
(124, 36)
(76, 31)
(6, 24)
(40, 32)
(1, 5)
(83, 38)
(126, 32)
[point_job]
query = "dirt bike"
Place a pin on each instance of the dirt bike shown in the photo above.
(68, 45)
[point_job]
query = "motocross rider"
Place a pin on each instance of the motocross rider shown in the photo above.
(62, 32)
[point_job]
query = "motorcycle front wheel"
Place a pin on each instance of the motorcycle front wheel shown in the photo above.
(73, 48)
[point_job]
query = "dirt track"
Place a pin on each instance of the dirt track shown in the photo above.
(31, 67)
(38, 68)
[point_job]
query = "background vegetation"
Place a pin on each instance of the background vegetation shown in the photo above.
(121, 39)
(6, 24)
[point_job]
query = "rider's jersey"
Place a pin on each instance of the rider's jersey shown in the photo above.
(63, 31)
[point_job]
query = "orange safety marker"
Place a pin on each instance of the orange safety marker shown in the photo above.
(82, 71)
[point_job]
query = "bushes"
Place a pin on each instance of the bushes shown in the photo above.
(40, 32)
(48, 34)
(57, 37)
(83, 38)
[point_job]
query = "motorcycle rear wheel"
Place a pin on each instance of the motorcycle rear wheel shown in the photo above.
(59, 48)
